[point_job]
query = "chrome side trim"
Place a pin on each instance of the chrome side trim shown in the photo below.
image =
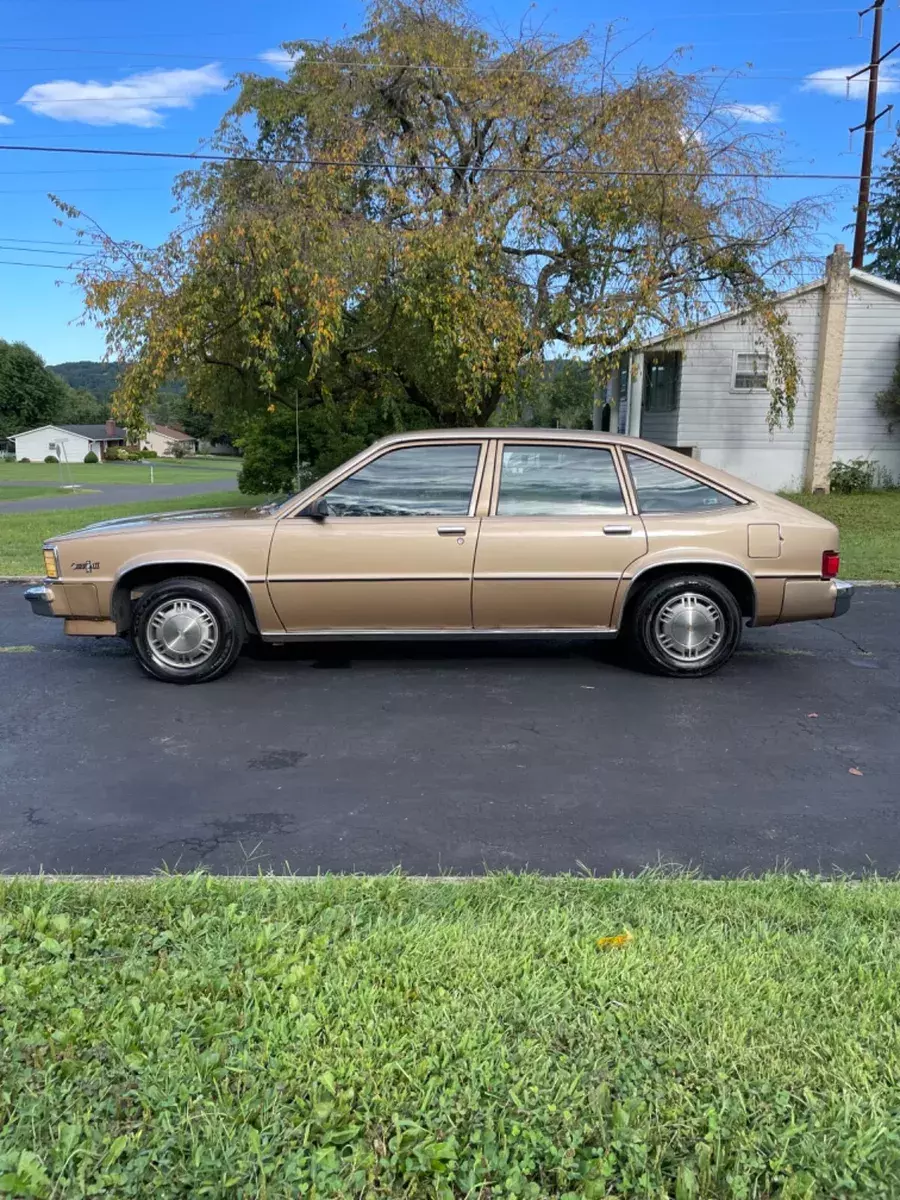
(368, 635)
(544, 576)
(466, 578)
(788, 575)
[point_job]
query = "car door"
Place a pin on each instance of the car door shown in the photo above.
(394, 552)
(558, 538)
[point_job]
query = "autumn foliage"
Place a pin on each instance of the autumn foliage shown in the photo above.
(415, 213)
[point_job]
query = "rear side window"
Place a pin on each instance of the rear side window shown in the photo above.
(558, 481)
(664, 489)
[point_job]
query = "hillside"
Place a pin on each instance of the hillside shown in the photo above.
(100, 378)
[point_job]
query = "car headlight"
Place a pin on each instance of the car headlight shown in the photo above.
(51, 562)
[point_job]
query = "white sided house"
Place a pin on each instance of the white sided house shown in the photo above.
(704, 391)
(68, 443)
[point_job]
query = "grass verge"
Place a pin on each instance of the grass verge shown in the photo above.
(373, 1037)
(22, 534)
(870, 531)
(164, 471)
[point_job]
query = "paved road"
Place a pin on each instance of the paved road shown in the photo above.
(449, 759)
(121, 493)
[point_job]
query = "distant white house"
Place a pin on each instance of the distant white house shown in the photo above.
(68, 443)
(705, 393)
(163, 439)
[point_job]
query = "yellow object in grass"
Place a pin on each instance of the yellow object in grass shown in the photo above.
(613, 943)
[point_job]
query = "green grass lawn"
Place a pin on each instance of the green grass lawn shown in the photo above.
(164, 471)
(22, 534)
(383, 1037)
(870, 531)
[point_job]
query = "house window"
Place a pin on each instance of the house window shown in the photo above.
(662, 376)
(751, 372)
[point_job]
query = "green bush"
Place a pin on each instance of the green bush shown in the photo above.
(133, 455)
(50, 458)
(114, 454)
(91, 457)
(24, 460)
(857, 475)
(149, 454)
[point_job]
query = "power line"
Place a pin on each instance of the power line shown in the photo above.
(38, 241)
(41, 250)
(581, 172)
(9, 262)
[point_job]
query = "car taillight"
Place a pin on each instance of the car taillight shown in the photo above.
(831, 564)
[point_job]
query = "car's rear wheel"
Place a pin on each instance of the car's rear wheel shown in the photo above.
(187, 631)
(688, 625)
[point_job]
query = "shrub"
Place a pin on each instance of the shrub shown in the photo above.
(857, 475)
(133, 455)
(114, 454)
(50, 458)
(91, 457)
(24, 460)
(179, 450)
(149, 454)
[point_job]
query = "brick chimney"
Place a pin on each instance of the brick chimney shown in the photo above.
(110, 428)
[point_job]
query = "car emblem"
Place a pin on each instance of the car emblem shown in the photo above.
(86, 566)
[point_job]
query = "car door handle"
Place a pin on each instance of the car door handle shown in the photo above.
(620, 530)
(451, 530)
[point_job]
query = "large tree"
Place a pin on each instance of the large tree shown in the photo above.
(30, 394)
(417, 211)
(883, 241)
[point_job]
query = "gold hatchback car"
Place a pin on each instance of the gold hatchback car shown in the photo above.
(463, 533)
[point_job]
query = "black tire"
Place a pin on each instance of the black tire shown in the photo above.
(669, 614)
(211, 614)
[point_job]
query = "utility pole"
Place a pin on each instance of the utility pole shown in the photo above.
(872, 118)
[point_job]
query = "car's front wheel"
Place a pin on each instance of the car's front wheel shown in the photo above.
(187, 631)
(686, 625)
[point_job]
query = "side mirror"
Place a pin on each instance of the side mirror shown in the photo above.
(316, 510)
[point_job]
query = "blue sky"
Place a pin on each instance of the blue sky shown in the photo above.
(109, 73)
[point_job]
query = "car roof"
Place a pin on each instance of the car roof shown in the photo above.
(512, 432)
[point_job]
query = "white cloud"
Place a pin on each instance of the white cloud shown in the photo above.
(135, 100)
(278, 57)
(754, 114)
(833, 81)
(5, 120)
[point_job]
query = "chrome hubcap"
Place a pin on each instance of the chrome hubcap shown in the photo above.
(689, 627)
(182, 634)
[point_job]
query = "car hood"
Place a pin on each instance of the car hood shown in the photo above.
(154, 520)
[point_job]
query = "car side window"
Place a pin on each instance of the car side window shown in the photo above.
(660, 488)
(413, 481)
(558, 481)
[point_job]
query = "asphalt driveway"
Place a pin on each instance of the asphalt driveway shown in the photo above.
(452, 759)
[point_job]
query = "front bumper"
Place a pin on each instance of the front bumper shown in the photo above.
(844, 595)
(41, 601)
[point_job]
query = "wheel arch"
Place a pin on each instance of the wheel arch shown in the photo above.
(737, 579)
(144, 575)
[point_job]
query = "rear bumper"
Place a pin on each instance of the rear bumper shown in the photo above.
(843, 598)
(41, 600)
(814, 599)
